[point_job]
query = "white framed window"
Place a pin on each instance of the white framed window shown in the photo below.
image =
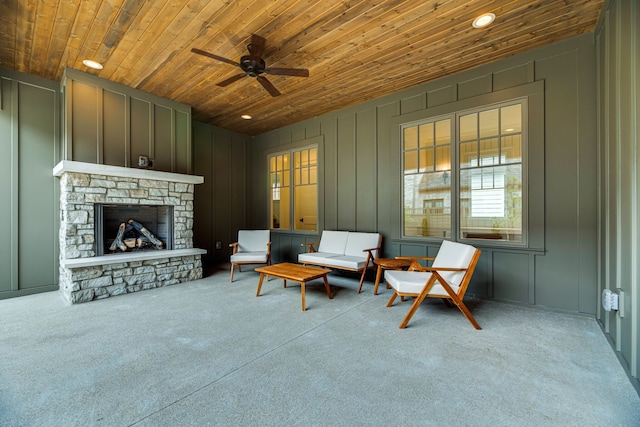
(473, 173)
(427, 171)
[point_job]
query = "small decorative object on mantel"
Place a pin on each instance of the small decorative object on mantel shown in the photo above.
(143, 162)
(145, 237)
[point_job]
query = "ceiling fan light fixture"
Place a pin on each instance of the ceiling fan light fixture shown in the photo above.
(483, 20)
(92, 64)
(246, 117)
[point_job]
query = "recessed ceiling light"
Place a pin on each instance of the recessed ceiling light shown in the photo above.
(246, 117)
(92, 64)
(483, 20)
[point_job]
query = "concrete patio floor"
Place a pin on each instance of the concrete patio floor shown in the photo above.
(210, 353)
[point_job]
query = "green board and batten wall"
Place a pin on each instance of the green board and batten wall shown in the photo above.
(362, 169)
(221, 205)
(108, 123)
(618, 260)
(29, 214)
(360, 148)
(83, 118)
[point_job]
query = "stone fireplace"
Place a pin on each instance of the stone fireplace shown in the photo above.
(94, 200)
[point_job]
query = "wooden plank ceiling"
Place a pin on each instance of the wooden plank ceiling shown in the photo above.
(355, 50)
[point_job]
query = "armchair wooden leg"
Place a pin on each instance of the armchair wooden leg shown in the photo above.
(231, 277)
(463, 308)
(412, 310)
(393, 297)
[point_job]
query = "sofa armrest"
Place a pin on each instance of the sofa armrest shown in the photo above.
(234, 245)
(310, 247)
(371, 249)
(370, 256)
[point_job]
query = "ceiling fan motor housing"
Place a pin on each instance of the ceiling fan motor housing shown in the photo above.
(252, 67)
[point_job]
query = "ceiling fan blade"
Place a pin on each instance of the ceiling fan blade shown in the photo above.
(256, 48)
(268, 86)
(230, 80)
(296, 72)
(211, 55)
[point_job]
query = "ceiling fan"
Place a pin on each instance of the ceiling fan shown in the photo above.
(253, 65)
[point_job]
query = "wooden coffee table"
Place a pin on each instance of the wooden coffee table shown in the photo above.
(296, 273)
(388, 264)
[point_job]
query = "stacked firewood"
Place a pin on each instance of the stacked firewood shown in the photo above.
(145, 237)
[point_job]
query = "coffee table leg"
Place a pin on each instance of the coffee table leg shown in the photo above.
(326, 286)
(260, 284)
(378, 274)
(304, 303)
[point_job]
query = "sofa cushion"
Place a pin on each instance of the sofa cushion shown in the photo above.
(317, 258)
(356, 242)
(257, 257)
(349, 262)
(333, 242)
(333, 260)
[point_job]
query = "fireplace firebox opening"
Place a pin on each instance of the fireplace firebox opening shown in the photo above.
(132, 228)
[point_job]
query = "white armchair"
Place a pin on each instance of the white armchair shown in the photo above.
(252, 247)
(447, 278)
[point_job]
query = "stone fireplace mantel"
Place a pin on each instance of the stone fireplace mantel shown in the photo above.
(119, 171)
(85, 276)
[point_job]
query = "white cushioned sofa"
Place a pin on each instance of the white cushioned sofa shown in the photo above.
(343, 250)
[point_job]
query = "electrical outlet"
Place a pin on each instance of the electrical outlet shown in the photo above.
(609, 300)
(218, 245)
